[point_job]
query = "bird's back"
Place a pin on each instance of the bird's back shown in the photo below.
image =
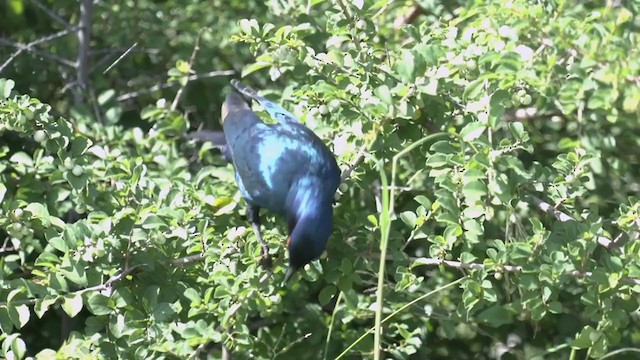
(270, 158)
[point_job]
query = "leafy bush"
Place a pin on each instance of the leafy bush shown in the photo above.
(488, 211)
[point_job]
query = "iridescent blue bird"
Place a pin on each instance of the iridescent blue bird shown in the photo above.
(283, 167)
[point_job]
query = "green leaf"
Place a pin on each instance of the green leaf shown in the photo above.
(72, 304)
(585, 338)
(472, 131)
(495, 316)
(423, 200)
(154, 222)
(99, 304)
(384, 94)
(473, 90)
(18, 347)
(6, 325)
(79, 145)
(42, 305)
(474, 190)
(409, 218)
(3, 191)
(8, 86)
(39, 211)
(163, 312)
(258, 65)
(19, 314)
(406, 66)
(326, 294)
(21, 158)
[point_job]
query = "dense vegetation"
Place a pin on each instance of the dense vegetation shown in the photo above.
(490, 209)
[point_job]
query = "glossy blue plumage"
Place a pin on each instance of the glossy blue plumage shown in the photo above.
(283, 167)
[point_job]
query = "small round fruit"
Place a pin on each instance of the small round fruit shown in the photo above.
(81, 208)
(361, 24)
(69, 163)
(17, 227)
(323, 109)
(522, 92)
(16, 214)
(78, 170)
(40, 136)
(343, 187)
(471, 64)
(525, 100)
(497, 276)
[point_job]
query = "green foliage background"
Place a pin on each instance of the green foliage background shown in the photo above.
(491, 212)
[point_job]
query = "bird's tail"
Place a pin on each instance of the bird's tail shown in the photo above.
(276, 111)
(215, 137)
(247, 91)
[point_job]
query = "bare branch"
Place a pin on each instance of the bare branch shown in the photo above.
(43, 54)
(84, 37)
(192, 60)
(29, 46)
(562, 217)
(121, 57)
(50, 12)
(549, 209)
(209, 74)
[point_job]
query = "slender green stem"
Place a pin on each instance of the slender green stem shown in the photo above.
(393, 314)
(385, 226)
(333, 318)
(620, 351)
(388, 204)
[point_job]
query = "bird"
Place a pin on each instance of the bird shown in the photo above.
(283, 167)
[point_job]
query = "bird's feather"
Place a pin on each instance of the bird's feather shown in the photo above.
(276, 111)
(268, 158)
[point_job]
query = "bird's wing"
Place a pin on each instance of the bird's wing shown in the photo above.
(276, 111)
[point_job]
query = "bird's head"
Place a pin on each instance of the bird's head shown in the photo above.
(309, 230)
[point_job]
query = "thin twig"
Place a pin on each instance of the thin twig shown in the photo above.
(507, 268)
(188, 260)
(121, 57)
(359, 158)
(104, 286)
(37, 52)
(30, 45)
(209, 74)
(562, 217)
(192, 60)
(50, 12)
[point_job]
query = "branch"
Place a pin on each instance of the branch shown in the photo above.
(49, 12)
(192, 60)
(209, 74)
(121, 57)
(188, 260)
(357, 161)
(562, 217)
(43, 54)
(84, 37)
(29, 46)
(508, 268)
(104, 286)
(401, 21)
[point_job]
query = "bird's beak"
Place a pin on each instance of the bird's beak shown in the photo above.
(287, 277)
